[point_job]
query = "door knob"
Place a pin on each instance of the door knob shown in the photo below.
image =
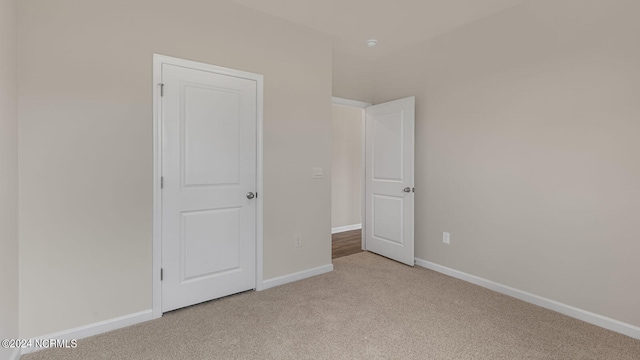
(250, 195)
(407, 189)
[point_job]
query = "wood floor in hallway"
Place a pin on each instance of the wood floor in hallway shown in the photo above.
(346, 243)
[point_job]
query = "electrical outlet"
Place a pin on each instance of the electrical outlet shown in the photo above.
(446, 238)
(297, 242)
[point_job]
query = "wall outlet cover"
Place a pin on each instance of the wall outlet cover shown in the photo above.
(297, 242)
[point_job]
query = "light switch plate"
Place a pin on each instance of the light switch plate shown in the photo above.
(317, 173)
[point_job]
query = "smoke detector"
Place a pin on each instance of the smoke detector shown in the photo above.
(372, 42)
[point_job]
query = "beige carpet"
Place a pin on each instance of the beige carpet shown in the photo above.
(368, 308)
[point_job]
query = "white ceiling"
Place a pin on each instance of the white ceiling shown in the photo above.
(396, 24)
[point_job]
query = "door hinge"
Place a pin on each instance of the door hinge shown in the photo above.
(162, 182)
(161, 274)
(161, 89)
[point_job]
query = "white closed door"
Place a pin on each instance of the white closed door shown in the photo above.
(389, 186)
(209, 132)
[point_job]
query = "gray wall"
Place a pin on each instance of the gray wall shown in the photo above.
(527, 143)
(8, 176)
(353, 77)
(85, 105)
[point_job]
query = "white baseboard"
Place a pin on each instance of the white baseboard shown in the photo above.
(285, 279)
(146, 315)
(340, 229)
(592, 318)
(95, 328)
(15, 355)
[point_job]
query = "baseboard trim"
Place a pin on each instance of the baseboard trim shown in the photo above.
(15, 355)
(340, 229)
(96, 328)
(300, 275)
(580, 314)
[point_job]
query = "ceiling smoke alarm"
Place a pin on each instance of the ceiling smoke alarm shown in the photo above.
(371, 43)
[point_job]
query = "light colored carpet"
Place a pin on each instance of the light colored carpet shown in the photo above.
(368, 308)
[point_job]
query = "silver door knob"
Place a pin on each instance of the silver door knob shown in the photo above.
(407, 189)
(250, 195)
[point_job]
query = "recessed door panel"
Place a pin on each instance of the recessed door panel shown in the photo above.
(387, 218)
(211, 123)
(210, 242)
(387, 135)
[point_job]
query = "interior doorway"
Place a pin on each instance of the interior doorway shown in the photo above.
(381, 182)
(347, 177)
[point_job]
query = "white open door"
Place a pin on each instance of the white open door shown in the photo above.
(389, 192)
(209, 132)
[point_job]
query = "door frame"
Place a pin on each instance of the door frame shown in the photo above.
(363, 201)
(158, 60)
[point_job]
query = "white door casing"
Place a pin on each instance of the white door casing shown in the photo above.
(363, 196)
(209, 164)
(389, 188)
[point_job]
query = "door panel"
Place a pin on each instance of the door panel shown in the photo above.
(212, 136)
(209, 125)
(388, 149)
(387, 218)
(210, 242)
(389, 154)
